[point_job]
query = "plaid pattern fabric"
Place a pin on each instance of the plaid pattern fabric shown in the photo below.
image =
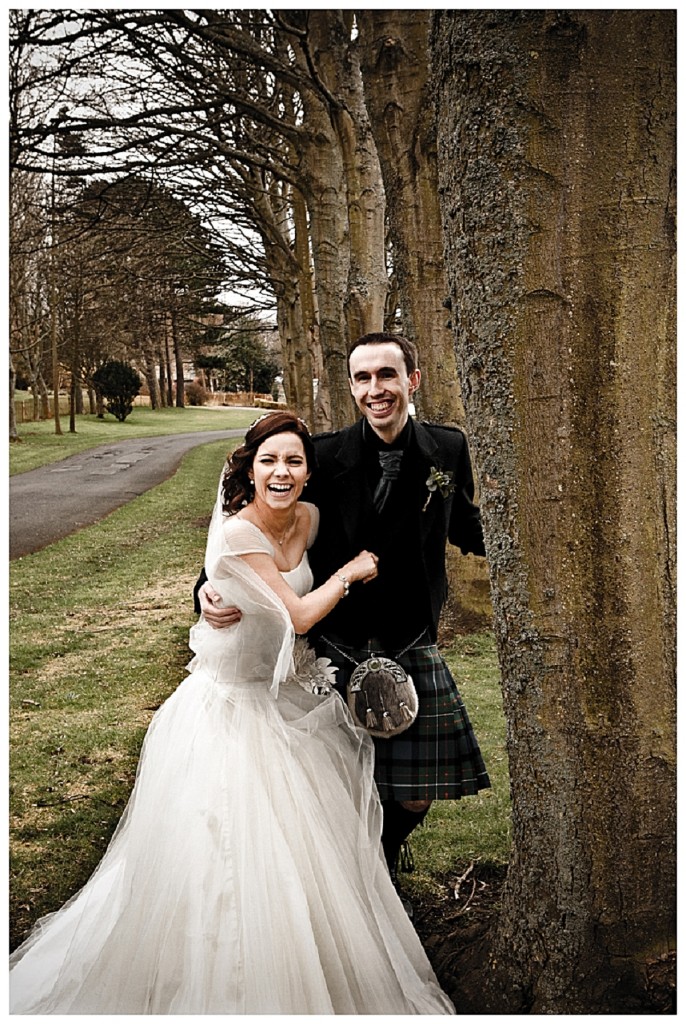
(438, 757)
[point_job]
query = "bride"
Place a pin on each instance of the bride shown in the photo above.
(246, 874)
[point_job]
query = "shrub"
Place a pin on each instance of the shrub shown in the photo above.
(118, 383)
(196, 393)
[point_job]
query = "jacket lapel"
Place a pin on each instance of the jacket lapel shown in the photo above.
(429, 455)
(349, 481)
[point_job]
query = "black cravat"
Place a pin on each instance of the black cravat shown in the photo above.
(390, 470)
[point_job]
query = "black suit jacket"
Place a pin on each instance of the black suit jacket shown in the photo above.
(410, 540)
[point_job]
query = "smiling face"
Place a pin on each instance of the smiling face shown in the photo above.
(382, 387)
(279, 471)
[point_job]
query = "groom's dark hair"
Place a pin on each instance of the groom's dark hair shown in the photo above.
(407, 347)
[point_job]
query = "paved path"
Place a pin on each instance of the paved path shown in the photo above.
(49, 503)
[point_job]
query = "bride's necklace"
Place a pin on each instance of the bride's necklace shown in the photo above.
(270, 532)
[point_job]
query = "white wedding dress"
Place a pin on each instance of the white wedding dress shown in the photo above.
(245, 876)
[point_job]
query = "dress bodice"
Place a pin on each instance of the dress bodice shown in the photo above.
(300, 579)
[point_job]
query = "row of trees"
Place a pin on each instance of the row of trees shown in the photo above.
(340, 154)
(120, 269)
(276, 127)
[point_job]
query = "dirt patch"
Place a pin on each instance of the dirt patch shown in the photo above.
(456, 914)
(453, 920)
(162, 599)
(69, 664)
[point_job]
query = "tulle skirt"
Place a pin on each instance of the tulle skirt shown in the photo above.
(245, 876)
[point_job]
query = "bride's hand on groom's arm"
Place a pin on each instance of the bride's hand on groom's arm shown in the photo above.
(217, 617)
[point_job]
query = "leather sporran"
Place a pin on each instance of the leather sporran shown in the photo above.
(382, 697)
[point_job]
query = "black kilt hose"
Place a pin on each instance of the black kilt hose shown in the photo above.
(438, 757)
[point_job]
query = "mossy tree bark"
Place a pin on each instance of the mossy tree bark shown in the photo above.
(557, 174)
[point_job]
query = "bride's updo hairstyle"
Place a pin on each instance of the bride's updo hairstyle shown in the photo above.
(236, 487)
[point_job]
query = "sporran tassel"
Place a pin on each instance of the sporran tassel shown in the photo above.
(387, 722)
(405, 712)
(370, 719)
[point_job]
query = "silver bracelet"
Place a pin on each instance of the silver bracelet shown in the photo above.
(346, 585)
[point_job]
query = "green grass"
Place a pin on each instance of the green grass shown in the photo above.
(39, 445)
(476, 828)
(98, 639)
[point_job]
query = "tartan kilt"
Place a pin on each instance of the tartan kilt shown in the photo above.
(438, 757)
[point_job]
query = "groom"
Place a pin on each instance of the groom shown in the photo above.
(401, 489)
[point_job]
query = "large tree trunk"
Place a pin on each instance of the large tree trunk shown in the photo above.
(284, 306)
(394, 46)
(557, 159)
(162, 376)
(344, 192)
(331, 256)
(297, 368)
(74, 370)
(301, 250)
(394, 49)
(324, 188)
(338, 67)
(285, 252)
(168, 360)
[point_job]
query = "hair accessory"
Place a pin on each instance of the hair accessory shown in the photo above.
(266, 415)
(259, 420)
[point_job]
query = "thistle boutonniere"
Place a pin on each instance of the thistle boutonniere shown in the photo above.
(439, 480)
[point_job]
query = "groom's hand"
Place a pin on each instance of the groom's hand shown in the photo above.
(216, 616)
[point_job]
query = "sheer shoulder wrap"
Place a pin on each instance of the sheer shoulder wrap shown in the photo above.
(259, 648)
